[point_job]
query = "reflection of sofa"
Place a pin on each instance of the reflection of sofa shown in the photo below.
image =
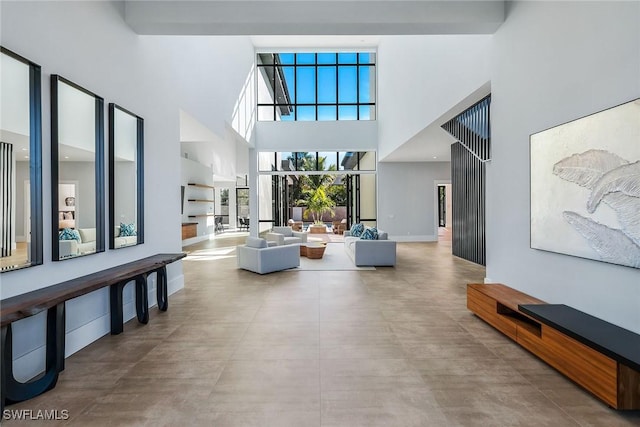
(122, 241)
(87, 244)
(381, 252)
(256, 256)
(286, 236)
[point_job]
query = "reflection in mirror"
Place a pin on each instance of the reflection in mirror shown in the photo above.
(126, 199)
(77, 127)
(20, 163)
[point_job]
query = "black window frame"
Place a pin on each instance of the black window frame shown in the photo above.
(276, 65)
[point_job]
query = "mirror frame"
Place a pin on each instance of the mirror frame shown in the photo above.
(99, 166)
(139, 176)
(35, 159)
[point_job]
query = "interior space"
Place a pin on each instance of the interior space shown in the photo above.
(320, 213)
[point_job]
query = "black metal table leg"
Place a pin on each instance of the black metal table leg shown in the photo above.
(14, 391)
(162, 293)
(142, 299)
(115, 302)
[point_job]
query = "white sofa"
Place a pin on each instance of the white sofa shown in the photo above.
(381, 252)
(87, 244)
(286, 236)
(258, 257)
(122, 241)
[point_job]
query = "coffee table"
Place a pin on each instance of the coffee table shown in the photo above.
(312, 250)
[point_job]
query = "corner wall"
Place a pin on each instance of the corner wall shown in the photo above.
(406, 199)
(554, 62)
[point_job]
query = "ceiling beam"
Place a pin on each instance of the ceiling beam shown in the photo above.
(359, 17)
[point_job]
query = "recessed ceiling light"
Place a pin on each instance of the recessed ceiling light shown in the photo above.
(66, 157)
(24, 149)
(26, 157)
(435, 157)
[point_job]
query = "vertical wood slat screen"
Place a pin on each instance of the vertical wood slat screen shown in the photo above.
(468, 156)
(6, 198)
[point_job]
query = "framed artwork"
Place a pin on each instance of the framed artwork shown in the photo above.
(585, 187)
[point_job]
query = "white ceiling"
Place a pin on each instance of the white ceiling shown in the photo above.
(326, 24)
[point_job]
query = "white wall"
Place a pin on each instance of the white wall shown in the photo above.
(155, 77)
(422, 77)
(406, 199)
(555, 62)
(317, 136)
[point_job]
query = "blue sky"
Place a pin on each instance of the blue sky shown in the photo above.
(304, 91)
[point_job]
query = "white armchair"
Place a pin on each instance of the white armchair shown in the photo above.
(256, 256)
(286, 236)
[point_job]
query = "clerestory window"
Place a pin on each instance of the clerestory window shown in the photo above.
(316, 86)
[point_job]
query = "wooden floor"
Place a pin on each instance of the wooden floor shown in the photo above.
(391, 347)
(18, 257)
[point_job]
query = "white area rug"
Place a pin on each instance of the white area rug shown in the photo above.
(335, 259)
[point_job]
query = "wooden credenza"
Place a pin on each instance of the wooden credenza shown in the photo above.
(599, 356)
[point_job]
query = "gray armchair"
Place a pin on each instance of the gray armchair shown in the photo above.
(256, 256)
(286, 236)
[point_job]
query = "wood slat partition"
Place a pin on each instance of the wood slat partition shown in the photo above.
(468, 156)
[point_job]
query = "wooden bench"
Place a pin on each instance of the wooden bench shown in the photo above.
(53, 298)
(601, 357)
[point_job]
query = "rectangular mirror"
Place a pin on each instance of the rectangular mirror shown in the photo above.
(77, 170)
(126, 199)
(20, 163)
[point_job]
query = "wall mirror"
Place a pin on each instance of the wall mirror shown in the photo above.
(126, 175)
(20, 163)
(77, 170)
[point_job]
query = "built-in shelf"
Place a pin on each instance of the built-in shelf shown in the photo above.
(202, 200)
(202, 215)
(192, 184)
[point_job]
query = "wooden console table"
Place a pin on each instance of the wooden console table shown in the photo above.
(53, 298)
(599, 356)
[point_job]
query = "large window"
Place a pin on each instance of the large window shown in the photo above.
(316, 86)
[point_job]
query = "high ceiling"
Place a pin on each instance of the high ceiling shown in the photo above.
(329, 24)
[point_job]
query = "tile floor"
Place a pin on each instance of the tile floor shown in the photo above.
(391, 347)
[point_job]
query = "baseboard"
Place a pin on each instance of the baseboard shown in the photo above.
(416, 238)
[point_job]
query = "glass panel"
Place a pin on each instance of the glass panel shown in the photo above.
(364, 112)
(326, 58)
(306, 58)
(286, 161)
(306, 85)
(265, 113)
(327, 85)
(289, 80)
(306, 113)
(266, 83)
(285, 113)
(347, 85)
(265, 202)
(282, 89)
(328, 161)
(347, 160)
(286, 58)
(265, 161)
(367, 161)
(124, 157)
(265, 58)
(347, 58)
(368, 196)
(367, 58)
(16, 171)
(306, 161)
(327, 113)
(76, 206)
(347, 112)
(367, 89)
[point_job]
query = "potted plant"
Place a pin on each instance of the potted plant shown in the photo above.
(318, 204)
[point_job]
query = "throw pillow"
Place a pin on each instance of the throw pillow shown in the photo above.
(69, 234)
(356, 229)
(127, 230)
(370, 234)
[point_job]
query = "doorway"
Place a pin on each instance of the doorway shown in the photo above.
(444, 209)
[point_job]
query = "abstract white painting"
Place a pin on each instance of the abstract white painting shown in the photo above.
(585, 187)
